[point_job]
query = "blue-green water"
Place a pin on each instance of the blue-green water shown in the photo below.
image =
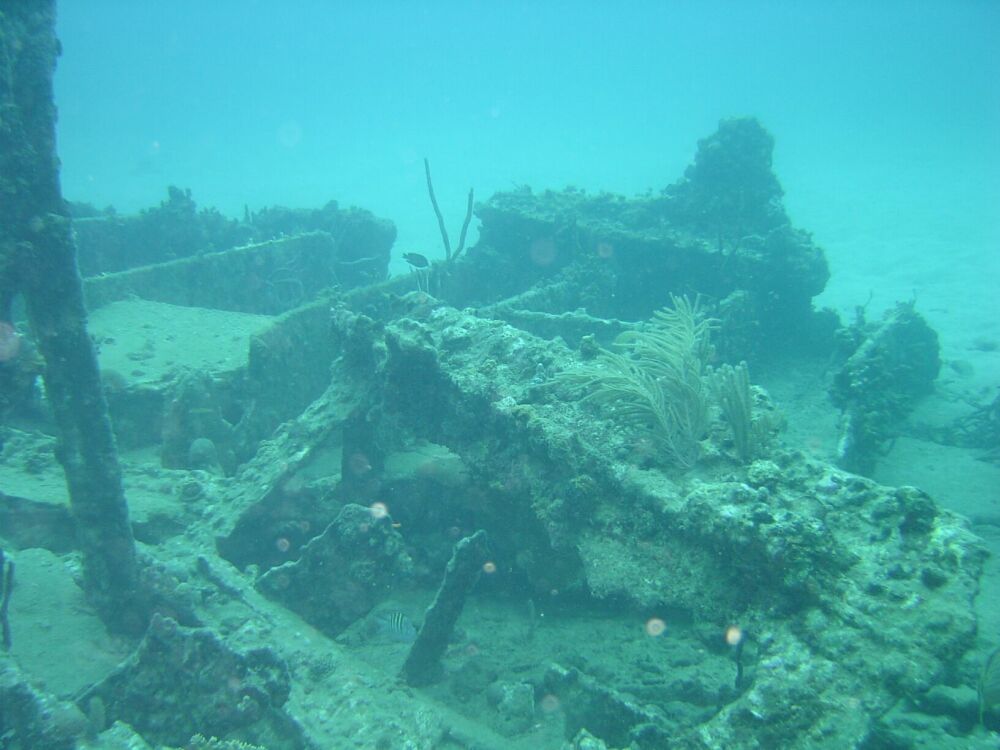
(886, 115)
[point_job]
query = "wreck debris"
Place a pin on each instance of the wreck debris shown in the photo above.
(6, 589)
(224, 689)
(30, 718)
(39, 262)
(342, 573)
(893, 364)
(423, 662)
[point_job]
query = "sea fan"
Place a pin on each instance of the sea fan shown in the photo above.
(656, 384)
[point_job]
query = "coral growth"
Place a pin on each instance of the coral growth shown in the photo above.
(657, 384)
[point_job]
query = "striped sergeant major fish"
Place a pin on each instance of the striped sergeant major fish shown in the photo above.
(393, 625)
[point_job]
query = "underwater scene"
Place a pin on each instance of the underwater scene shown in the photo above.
(499, 375)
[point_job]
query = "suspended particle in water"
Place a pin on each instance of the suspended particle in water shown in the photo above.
(549, 703)
(489, 567)
(543, 252)
(734, 635)
(605, 250)
(10, 342)
(655, 627)
(379, 510)
(294, 485)
(282, 544)
(289, 134)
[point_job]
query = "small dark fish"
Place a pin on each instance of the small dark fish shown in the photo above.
(394, 626)
(416, 260)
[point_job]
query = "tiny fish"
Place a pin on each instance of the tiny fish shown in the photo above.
(416, 260)
(394, 626)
